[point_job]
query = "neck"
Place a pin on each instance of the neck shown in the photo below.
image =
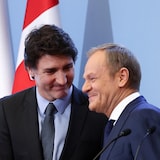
(122, 94)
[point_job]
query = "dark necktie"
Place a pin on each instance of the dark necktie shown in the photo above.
(107, 130)
(48, 132)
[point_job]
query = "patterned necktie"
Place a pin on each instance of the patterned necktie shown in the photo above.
(48, 132)
(107, 130)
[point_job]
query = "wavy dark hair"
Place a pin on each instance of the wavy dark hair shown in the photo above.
(47, 40)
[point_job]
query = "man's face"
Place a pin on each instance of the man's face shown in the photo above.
(53, 76)
(99, 85)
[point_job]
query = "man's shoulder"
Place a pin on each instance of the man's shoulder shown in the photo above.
(18, 96)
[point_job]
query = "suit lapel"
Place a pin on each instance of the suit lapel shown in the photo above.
(77, 120)
(121, 122)
(30, 120)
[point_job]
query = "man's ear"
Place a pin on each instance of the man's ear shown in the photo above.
(123, 76)
(31, 73)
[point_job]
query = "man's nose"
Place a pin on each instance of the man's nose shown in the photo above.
(61, 78)
(86, 87)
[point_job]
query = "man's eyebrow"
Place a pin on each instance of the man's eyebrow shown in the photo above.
(89, 75)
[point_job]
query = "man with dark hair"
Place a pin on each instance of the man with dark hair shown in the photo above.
(74, 132)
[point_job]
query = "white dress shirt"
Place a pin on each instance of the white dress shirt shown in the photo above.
(122, 105)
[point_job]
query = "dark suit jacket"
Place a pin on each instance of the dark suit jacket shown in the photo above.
(137, 116)
(19, 130)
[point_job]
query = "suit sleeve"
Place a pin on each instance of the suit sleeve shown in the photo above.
(5, 143)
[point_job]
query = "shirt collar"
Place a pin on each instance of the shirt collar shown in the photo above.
(121, 106)
(60, 104)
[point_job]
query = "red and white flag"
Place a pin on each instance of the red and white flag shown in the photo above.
(38, 12)
(6, 57)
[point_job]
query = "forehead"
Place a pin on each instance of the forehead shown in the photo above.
(97, 58)
(51, 60)
(96, 62)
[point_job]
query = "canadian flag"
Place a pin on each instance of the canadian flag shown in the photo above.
(6, 57)
(38, 12)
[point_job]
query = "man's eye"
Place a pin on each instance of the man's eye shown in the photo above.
(52, 71)
(68, 67)
(92, 79)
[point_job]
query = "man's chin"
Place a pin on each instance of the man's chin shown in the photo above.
(61, 95)
(92, 107)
